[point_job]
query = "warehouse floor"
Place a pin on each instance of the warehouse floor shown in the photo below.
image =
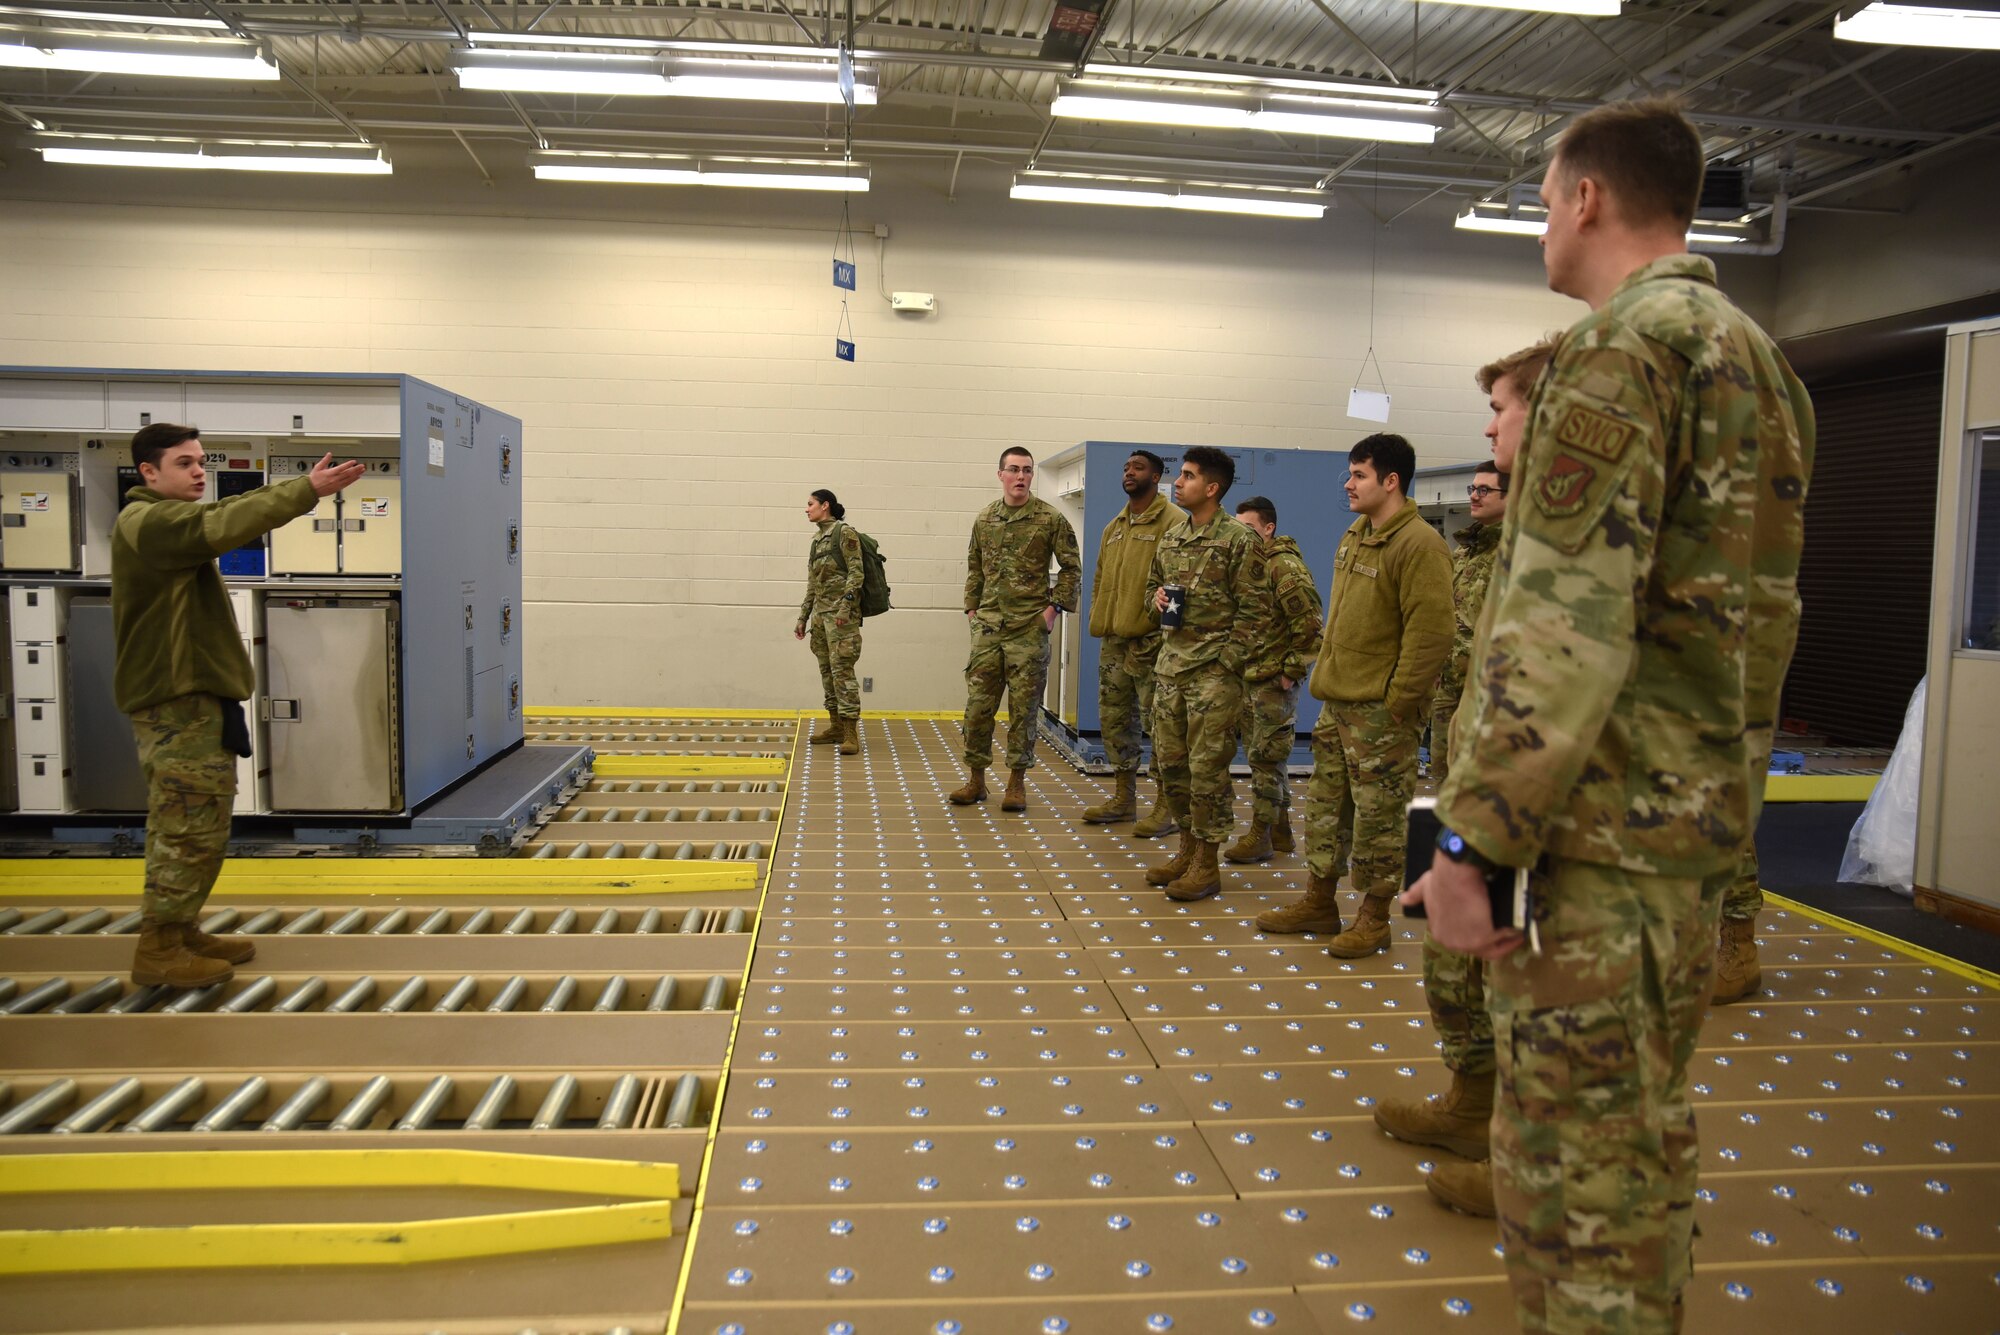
(983, 1079)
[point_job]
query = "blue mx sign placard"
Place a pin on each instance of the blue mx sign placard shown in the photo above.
(843, 274)
(843, 349)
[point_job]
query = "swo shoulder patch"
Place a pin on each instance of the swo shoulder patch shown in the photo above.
(1596, 433)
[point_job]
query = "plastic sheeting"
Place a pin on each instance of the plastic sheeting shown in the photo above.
(1882, 849)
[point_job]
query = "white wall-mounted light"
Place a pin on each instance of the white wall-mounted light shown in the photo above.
(172, 56)
(1915, 25)
(1472, 220)
(1335, 118)
(679, 169)
(1148, 193)
(656, 76)
(337, 159)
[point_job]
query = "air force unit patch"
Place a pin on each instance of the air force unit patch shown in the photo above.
(1589, 452)
(1565, 489)
(1595, 433)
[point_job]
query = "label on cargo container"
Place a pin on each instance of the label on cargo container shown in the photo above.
(36, 502)
(372, 508)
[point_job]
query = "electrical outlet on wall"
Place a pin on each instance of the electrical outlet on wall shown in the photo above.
(867, 684)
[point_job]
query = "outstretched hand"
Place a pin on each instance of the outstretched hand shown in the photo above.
(328, 477)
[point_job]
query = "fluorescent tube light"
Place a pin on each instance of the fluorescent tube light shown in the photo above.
(652, 76)
(1474, 221)
(1149, 194)
(1344, 124)
(88, 16)
(1131, 74)
(1913, 25)
(1589, 9)
(1091, 107)
(741, 173)
(167, 57)
(189, 155)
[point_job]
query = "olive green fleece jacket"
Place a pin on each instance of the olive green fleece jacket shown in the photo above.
(1389, 620)
(170, 609)
(1118, 602)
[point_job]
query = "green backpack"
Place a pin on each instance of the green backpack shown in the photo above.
(874, 577)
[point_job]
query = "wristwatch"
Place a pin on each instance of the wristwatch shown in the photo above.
(1452, 844)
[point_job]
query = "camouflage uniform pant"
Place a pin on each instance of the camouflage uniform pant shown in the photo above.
(1594, 1150)
(1745, 897)
(1364, 762)
(1455, 988)
(1194, 741)
(1016, 663)
(1444, 708)
(1270, 726)
(1125, 697)
(190, 791)
(838, 649)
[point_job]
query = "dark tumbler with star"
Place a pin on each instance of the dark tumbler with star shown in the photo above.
(1170, 615)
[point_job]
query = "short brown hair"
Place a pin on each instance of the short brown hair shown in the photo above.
(150, 442)
(1523, 367)
(1646, 154)
(1262, 507)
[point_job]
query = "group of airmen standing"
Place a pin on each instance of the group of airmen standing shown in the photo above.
(1598, 664)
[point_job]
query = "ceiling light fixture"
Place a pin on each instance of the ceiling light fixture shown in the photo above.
(168, 56)
(1151, 76)
(1151, 193)
(242, 155)
(1472, 220)
(1914, 25)
(1335, 118)
(1589, 9)
(678, 169)
(654, 76)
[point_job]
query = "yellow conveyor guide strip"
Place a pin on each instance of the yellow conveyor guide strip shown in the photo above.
(409, 1242)
(689, 767)
(333, 878)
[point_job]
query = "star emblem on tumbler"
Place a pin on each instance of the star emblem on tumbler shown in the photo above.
(1173, 607)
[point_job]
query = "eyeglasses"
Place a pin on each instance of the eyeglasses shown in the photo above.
(1480, 491)
(1015, 471)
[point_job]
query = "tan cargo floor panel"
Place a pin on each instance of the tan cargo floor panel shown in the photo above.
(988, 1080)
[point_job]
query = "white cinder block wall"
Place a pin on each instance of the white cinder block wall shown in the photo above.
(681, 397)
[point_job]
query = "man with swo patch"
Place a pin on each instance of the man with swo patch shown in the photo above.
(182, 676)
(1127, 627)
(1388, 630)
(1617, 726)
(1286, 643)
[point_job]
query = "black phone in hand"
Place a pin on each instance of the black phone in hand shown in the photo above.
(1507, 887)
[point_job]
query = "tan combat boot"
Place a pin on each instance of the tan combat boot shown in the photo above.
(1161, 820)
(1318, 911)
(1467, 1187)
(1281, 834)
(1202, 877)
(974, 790)
(1737, 973)
(235, 949)
(1254, 846)
(1369, 933)
(1016, 796)
(1123, 803)
(1174, 867)
(828, 735)
(1459, 1120)
(163, 957)
(850, 737)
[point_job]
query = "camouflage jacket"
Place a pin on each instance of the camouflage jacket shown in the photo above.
(833, 572)
(1221, 566)
(1645, 602)
(1288, 639)
(171, 620)
(1471, 571)
(1007, 564)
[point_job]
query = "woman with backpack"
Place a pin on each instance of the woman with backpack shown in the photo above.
(831, 615)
